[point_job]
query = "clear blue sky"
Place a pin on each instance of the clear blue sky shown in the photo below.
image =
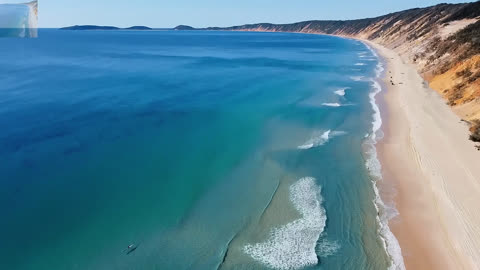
(201, 13)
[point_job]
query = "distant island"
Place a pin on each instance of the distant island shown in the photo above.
(184, 27)
(98, 27)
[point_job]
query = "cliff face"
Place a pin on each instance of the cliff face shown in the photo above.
(443, 41)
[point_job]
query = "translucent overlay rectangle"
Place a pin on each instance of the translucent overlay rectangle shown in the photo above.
(19, 20)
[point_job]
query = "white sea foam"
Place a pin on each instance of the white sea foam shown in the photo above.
(369, 59)
(371, 50)
(327, 248)
(331, 104)
(357, 78)
(360, 64)
(379, 69)
(386, 213)
(337, 104)
(341, 91)
(377, 119)
(319, 138)
(292, 246)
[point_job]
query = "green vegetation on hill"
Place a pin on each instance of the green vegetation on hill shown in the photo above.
(475, 132)
(463, 45)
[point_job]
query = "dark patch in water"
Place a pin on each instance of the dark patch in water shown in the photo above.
(27, 163)
(224, 258)
(72, 150)
(271, 199)
(15, 142)
(258, 62)
(235, 236)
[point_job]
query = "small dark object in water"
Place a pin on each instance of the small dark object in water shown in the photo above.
(131, 248)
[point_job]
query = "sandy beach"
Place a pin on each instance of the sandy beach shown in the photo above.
(431, 173)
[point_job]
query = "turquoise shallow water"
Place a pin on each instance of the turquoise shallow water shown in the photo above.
(204, 149)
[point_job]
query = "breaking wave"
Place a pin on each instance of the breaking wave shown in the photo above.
(357, 78)
(331, 104)
(341, 91)
(293, 245)
(336, 104)
(319, 139)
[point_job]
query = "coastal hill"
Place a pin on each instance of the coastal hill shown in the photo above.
(443, 41)
(97, 27)
(138, 28)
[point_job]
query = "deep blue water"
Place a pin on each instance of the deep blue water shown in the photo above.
(193, 146)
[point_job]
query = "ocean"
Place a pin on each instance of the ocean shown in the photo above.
(202, 149)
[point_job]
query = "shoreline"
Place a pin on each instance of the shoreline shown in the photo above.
(429, 168)
(429, 172)
(385, 211)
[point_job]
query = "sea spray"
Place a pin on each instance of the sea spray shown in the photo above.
(385, 214)
(293, 245)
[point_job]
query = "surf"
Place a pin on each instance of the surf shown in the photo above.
(293, 246)
(385, 213)
(341, 91)
(319, 138)
(357, 78)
